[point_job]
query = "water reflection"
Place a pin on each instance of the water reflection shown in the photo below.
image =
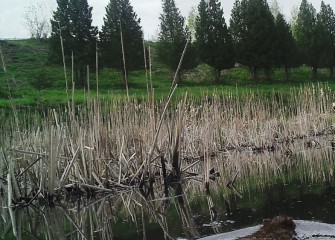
(253, 185)
(130, 215)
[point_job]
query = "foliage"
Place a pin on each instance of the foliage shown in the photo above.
(326, 23)
(213, 40)
(173, 37)
(252, 26)
(307, 36)
(314, 33)
(285, 45)
(120, 16)
(72, 21)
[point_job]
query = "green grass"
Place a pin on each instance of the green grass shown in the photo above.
(34, 81)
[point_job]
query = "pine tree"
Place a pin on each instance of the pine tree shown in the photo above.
(238, 29)
(307, 36)
(172, 38)
(73, 20)
(285, 45)
(85, 37)
(60, 27)
(214, 42)
(120, 16)
(326, 23)
(252, 27)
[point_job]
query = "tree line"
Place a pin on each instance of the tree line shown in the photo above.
(255, 37)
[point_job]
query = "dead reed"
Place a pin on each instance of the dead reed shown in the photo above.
(113, 144)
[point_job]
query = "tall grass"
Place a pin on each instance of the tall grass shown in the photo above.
(116, 143)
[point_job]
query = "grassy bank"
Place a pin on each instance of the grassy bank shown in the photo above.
(35, 81)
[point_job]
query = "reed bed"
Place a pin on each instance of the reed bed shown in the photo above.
(108, 145)
(111, 147)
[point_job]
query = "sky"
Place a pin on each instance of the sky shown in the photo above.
(12, 22)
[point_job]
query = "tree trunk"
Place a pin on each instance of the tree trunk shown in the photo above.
(287, 73)
(178, 77)
(80, 76)
(315, 72)
(253, 71)
(217, 73)
(331, 73)
(77, 76)
(267, 74)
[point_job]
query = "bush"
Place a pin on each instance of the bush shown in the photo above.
(42, 81)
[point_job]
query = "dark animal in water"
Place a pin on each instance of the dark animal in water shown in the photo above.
(281, 227)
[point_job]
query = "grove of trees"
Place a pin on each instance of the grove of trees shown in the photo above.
(257, 36)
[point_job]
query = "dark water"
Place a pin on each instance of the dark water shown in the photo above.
(303, 202)
(129, 215)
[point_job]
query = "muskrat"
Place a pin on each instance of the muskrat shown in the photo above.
(281, 227)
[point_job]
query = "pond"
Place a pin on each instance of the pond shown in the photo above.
(186, 216)
(130, 170)
(307, 202)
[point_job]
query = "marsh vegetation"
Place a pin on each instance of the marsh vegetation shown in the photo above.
(147, 154)
(82, 164)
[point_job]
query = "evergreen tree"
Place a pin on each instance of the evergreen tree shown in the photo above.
(252, 26)
(172, 38)
(213, 40)
(326, 23)
(307, 36)
(73, 20)
(60, 27)
(285, 45)
(238, 29)
(120, 16)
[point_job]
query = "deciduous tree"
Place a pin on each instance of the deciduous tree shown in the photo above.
(36, 20)
(191, 21)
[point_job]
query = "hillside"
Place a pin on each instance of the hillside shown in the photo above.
(35, 81)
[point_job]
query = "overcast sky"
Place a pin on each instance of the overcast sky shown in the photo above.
(12, 12)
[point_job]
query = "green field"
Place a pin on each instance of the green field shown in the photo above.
(34, 81)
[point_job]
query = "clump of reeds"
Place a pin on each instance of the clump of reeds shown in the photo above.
(116, 144)
(103, 147)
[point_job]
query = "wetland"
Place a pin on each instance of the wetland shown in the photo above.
(128, 169)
